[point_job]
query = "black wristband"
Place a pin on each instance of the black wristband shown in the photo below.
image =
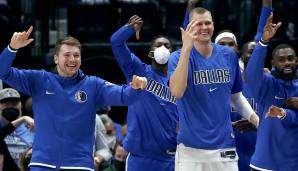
(12, 48)
(264, 42)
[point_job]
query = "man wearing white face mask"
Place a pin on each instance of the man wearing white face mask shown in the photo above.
(152, 119)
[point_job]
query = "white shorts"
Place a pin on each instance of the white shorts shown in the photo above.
(193, 159)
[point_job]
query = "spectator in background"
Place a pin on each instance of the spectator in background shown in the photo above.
(110, 130)
(25, 160)
(7, 163)
(11, 107)
(102, 153)
(118, 162)
(65, 103)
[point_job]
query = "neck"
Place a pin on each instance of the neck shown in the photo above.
(162, 68)
(204, 48)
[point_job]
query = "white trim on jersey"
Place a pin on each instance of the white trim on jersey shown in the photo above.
(258, 168)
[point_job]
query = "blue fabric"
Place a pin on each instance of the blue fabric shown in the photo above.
(64, 111)
(137, 163)
(204, 110)
(276, 146)
(152, 119)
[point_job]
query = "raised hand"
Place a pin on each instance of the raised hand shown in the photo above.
(270, 28)
(138, 82)
(21, 39)
(29, 121)
(136, 22)
(189, 34)
(191, 4)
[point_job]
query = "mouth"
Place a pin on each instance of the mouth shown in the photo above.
(287, 70)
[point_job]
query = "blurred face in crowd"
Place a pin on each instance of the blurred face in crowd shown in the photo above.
(11, 109)
(229, 42)
(68, 60)
(205, 27)
(247, 51)
(285, 63)
(161, 41)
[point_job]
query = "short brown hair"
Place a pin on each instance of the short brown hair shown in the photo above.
(198, 10)
(69, 40)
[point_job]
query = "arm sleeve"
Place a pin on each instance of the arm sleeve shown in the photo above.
(241, 105)
(128, 62)
(262, 22)
(291, 118)
(18, 79)
(254, 73)
(115, 95)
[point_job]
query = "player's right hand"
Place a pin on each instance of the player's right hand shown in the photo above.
(20, 39)
(136, 22)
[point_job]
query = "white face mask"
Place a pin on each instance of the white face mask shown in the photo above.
(161, 55)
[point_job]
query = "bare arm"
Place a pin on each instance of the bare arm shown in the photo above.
(26, 119)
(267, 3)
(1, 161)
(178, 81)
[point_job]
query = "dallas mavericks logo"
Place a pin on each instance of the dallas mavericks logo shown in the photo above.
(211, 76)
(81, 96)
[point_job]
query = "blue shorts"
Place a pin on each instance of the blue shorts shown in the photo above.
(49, 169)
(137, 163)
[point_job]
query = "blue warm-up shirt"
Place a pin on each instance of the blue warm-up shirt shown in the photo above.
(204, 109)
(276, 146)
(64, 112)
(152, 119)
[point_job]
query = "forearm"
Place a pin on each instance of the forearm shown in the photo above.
(267, 3)
(6, 59)
(290, 117)
(105, 153)
(122, 35)
(178, 80)
(241, 105)
(128, 63)
(1, 161)
(265, 13)
(254, 72)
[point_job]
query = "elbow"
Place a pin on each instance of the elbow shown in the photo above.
(113, 39)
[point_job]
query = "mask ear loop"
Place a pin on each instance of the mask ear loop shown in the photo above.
(151, 54)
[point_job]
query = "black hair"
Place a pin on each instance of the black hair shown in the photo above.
(281, 46)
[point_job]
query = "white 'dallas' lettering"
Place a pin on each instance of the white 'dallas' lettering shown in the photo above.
(211, 76)
(160, 90)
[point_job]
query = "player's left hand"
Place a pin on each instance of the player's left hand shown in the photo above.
(243, 126)
(275, 111)
(138, 82)
(270, 28)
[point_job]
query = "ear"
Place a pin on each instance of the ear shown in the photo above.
(56, 59)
